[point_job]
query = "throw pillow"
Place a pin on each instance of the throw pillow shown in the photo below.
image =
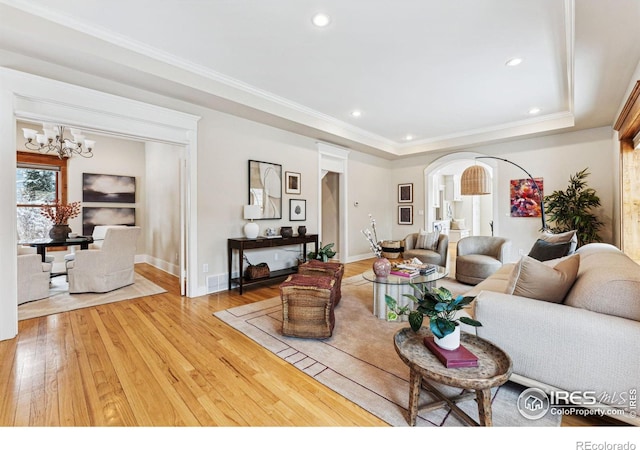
(568, 236)
(533, 279)
(457, 224)
(544, 251)
(428, 241)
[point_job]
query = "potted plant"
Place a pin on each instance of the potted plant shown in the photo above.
(324, 253)
(439, 305)
(572, 209)
(59, 215)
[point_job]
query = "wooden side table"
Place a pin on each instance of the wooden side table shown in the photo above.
(494, 369)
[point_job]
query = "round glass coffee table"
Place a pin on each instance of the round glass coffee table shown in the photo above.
(395, 286)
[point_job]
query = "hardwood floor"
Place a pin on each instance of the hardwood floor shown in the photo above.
(161, 360)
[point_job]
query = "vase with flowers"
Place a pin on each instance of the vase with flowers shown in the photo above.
(381, 266)
(59, 215)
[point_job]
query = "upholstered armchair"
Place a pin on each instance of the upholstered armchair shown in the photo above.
(437, 255)
(108, 268)
(477, 257)
(33, 278)
(99, 233)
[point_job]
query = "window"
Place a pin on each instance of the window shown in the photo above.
(40, 179)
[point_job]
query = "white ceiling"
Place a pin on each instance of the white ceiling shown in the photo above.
(431, 69)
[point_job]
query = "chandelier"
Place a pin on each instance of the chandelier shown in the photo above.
(52, 140)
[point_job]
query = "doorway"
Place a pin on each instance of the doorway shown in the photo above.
(32, 98)
(330, 213)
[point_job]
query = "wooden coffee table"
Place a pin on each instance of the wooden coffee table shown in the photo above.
(494, 369)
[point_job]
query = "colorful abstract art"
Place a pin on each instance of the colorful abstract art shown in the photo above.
(526, 198)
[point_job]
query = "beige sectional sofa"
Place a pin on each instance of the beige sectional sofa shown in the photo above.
(586, 342)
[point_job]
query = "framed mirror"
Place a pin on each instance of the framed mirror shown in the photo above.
(265, 188)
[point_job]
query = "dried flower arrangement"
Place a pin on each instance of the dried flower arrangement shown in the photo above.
(60, 214)
(372, 237)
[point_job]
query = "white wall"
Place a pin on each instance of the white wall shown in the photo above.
(370, 191)
(162, 223)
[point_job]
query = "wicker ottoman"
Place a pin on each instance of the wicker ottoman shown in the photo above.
(318, 268)
(307, 306)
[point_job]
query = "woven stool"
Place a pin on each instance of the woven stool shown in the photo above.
(318, 268)
(307, 306)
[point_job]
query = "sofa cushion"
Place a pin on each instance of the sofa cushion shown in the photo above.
(568, 236)
(427, 241)
(497, 282)
(608, 282)
(457, 224)
(545, 251)
(534, 279)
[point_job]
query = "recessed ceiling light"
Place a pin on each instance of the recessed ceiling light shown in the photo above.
(514, 62)
(356, 113)
(408, 137)
(321, 20)
(534, 111)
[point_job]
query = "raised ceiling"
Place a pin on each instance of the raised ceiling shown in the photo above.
(430, 69)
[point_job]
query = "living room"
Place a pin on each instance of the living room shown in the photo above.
(224, 143)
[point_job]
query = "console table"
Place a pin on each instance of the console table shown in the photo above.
(242, 244)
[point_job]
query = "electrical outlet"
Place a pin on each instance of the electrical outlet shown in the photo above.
(205, 268)
(521, 252)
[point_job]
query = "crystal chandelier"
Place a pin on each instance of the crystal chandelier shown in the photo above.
(52, 140)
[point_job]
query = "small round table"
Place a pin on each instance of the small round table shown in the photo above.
(494, 369)
(397, 286)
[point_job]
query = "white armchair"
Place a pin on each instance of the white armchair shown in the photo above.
(99, 233)
(33, 278)
(108, 268)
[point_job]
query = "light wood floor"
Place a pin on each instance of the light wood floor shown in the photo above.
(162, 360)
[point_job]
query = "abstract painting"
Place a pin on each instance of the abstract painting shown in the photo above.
(265, 188)
(106, 216)
(526, 198)
(108, 188)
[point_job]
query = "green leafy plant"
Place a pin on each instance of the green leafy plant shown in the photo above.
(438, 304)
(573, 209)
(324, 253)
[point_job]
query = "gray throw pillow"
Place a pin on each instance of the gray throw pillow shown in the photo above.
(544, 251)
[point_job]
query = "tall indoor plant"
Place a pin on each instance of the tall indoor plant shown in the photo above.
(572, 209)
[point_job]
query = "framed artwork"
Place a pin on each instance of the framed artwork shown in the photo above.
(405, 215)
(525, 198)
(265, 188)
(297, 210)
(292, 183)
(106, 216)
(405, 193)
(108, 188)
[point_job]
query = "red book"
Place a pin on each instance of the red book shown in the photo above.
(460, 357)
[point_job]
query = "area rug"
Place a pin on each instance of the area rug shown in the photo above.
(61, 301)
(360, 363)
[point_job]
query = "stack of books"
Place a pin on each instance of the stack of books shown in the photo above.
(460, 357)
(402, 271)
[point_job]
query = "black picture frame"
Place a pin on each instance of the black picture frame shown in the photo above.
(265, 188)
(297, 210)
(405, 215)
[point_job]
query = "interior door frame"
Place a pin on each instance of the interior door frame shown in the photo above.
(628, 127)
(30, 97)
